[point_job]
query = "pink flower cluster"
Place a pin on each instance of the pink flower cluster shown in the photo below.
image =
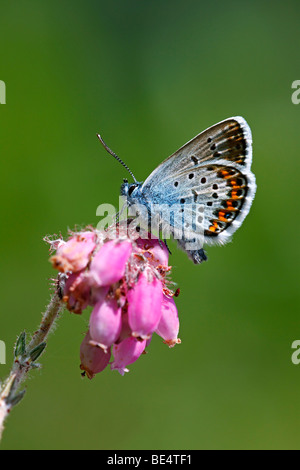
(126, 283)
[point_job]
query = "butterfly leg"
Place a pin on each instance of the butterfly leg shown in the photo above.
(159, 239)
(161, 245)
(198, 256)
(165, 242)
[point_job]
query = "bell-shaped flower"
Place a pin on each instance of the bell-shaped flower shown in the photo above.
(93, 359)
(168, 326)
(155, 251)
(109, 263)
(105, 321)
(144, 305)
(126, 352)
(77, 293)
(74, 255)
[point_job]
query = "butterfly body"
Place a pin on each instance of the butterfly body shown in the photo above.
(208, 181)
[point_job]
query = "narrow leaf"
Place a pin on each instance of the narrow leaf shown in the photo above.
(20, 345)
(16, 399)
(37, 351)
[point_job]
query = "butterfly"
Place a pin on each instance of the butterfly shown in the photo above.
(209, 182)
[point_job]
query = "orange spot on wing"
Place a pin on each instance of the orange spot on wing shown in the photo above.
(213, 227)
(230, 206)
(221, 216)
(235, 184)
(234, 194)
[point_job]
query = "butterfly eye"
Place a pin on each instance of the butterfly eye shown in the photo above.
(131, 189)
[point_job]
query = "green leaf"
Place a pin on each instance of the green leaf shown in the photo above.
(16, 399)
(37, 351)
(20, 347)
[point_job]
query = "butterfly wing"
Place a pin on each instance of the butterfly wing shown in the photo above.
(209, 174)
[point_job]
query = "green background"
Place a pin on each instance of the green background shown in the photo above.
(150, 76)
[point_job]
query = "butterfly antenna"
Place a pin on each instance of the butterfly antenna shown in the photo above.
(115, 156)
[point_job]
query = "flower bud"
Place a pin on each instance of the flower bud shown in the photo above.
(77, 292)
(93, 359)
(168, 326)
(105, 321)
(154, 251)
(109, 263)
(144, 305)
(74, 255)
(126, 352)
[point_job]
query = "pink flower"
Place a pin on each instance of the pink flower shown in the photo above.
(105, 321)
(126, 281)
(93, 359)
(126, 352)
(156, 253)
(109, 263)
(77, 293)
(144, 305)
(75, 254)
(168, 326)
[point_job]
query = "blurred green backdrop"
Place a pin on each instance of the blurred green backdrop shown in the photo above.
(150, 76)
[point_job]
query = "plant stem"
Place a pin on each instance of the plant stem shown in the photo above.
(22, 365)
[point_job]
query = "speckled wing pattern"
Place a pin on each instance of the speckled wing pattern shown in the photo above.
(210, 174)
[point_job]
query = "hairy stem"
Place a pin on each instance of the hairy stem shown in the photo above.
(23, 363)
